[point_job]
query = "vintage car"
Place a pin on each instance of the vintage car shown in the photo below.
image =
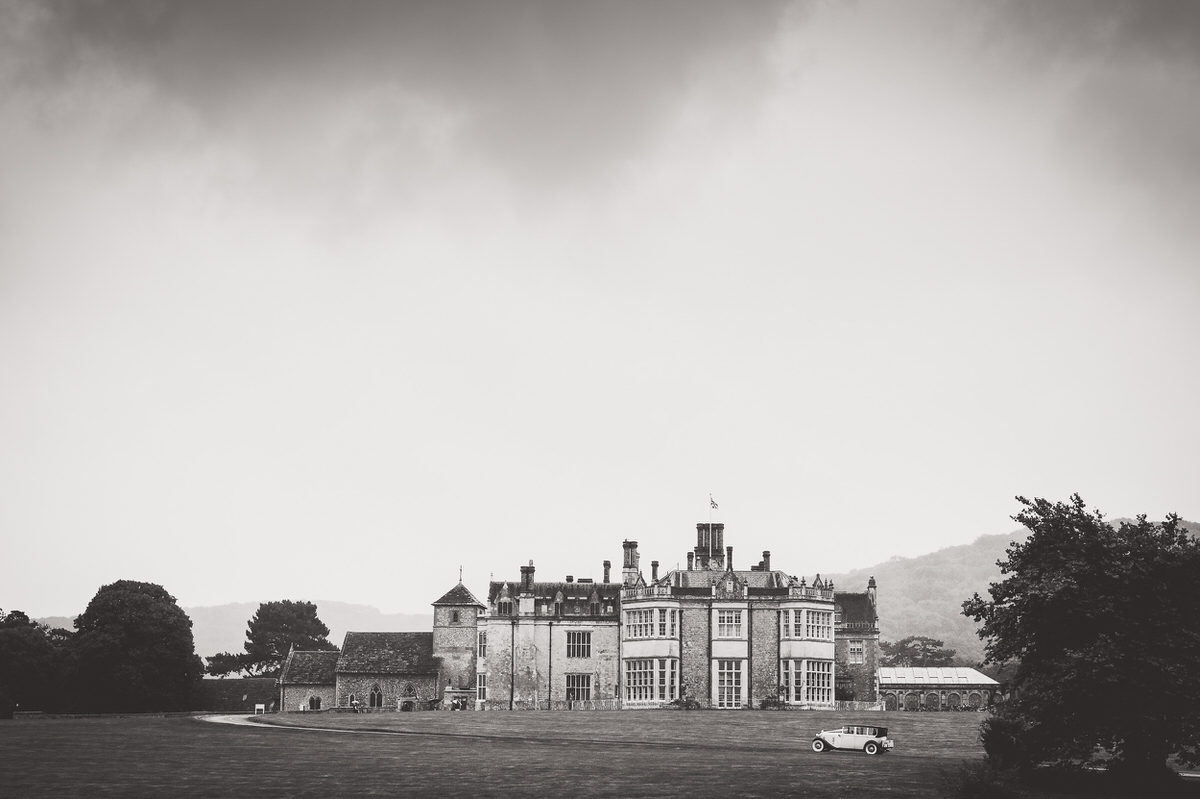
(867, 738)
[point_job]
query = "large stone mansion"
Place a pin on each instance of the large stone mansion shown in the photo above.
(708, 635)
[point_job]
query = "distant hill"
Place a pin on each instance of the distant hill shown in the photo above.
(917, 596)
(924, 595)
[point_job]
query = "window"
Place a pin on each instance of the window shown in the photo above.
(481, 687)
(579, 644)
(454, 617)
(673, 664)
(558, 608)
(483, 644)
(818, 681)
(729, 683)
(639, 679)
(662, 676)
(662, 623)
(820, 625)
(595, 609)
(376, 697)
(504, 607)
(673, 624)
(579, 687)
(729, 624)
(786, 670)
(314, 703)
(856, 651)
(639, 623)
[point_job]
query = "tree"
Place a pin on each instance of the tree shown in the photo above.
(274, 630)
(31, 665)
(133, 651)
(916, 650)
(1104, 626)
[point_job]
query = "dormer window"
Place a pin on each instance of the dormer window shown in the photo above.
(504, 607)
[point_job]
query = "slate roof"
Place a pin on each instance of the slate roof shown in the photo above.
(856, 607)
(546, 592)
(309, 668)
(459, 595)
(704, 578)
(942, 677)
(387, 653)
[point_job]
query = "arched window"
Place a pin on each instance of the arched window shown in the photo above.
(314, 703)
(376, 697)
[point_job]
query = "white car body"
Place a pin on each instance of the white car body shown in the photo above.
(861, 737)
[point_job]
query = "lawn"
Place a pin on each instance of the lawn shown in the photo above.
(524, 754)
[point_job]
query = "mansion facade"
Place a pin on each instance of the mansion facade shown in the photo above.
(709, 635)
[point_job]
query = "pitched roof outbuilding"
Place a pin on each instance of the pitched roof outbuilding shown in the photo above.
(943, 676)
(387, 653)
(309, 667)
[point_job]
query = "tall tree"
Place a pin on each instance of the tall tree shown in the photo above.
(275, 628)
(1104, 625)
(916, 650)
(133, 651)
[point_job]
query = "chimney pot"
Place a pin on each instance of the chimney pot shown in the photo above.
(607, 566)
(691, 560)
(570, 579)
(729, 558)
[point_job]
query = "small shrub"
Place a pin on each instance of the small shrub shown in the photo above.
(1006, 741)
(979, 781)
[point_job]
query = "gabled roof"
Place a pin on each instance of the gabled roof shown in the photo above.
(309, 668)
(387, 653)
(944, 676)
(459, 595)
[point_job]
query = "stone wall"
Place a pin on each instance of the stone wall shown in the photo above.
(764, 657)
(421, 690)
(296, 697)
(695, 653)
(455, 642)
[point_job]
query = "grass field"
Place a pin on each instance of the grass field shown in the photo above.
(627, 754)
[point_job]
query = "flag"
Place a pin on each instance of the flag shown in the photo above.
(711, 501)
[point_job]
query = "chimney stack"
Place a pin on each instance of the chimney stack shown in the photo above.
(527, 578)
(654, 571)
(691, 560)
(729, 558)
(629, 569)
(607, 566)
(766, 560)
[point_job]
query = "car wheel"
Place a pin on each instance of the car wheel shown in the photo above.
(871, 748)
(819, 745)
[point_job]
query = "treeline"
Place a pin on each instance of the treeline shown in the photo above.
(132, 651)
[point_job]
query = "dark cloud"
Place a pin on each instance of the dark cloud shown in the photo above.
(1135, 65)
(547, 91)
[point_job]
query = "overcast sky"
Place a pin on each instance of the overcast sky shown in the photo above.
(310, 300)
